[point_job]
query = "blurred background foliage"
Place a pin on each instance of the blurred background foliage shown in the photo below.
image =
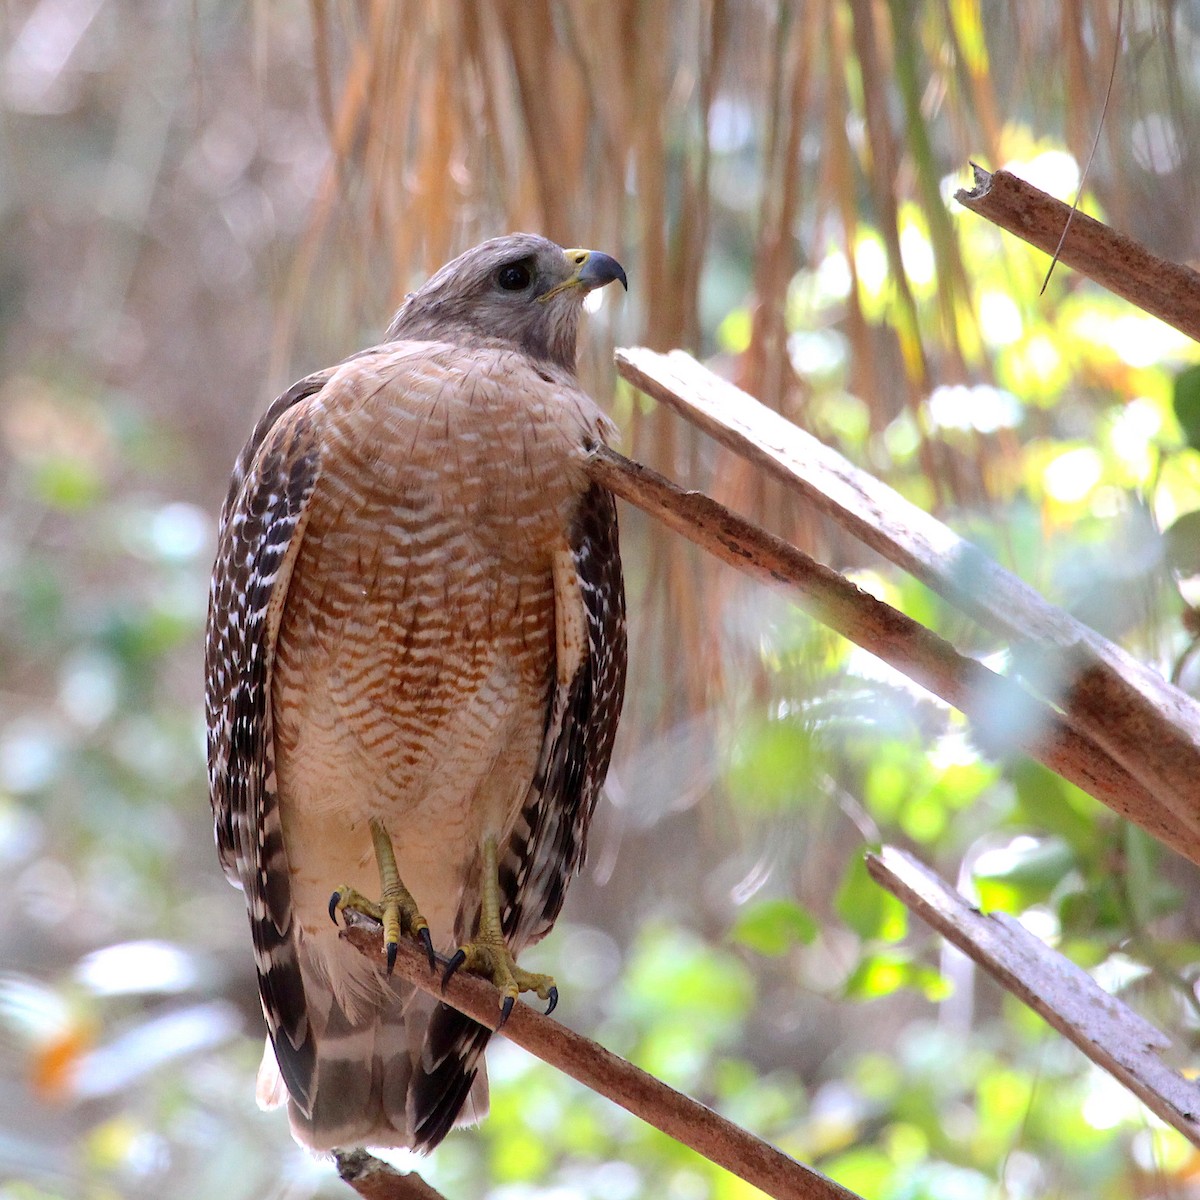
(201, 201)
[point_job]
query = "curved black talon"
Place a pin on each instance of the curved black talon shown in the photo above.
(505, 1012)
(553, 1001)
(333, 903)
(391, 957)
(424, 938)
(456, 961)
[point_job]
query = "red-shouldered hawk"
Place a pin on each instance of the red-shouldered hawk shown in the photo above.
(415, 663)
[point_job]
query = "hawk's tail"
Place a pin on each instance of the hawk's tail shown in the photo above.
(449, 1085)
(397, 1070)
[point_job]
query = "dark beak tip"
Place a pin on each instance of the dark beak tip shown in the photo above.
(603, 268)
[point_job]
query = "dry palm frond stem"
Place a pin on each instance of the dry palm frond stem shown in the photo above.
(1103, 707)
(1124, 733)
(1164, 289)
(1112, 1035)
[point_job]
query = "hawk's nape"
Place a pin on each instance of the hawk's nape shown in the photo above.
(415, 664)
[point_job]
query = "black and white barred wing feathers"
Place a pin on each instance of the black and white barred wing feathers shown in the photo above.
(262, 525)
(550, 843)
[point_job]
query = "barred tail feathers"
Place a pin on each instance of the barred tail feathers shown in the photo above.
(373, 1061)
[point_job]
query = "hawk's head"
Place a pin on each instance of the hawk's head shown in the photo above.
(522, 289)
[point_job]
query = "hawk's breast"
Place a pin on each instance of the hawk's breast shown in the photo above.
(415, 653)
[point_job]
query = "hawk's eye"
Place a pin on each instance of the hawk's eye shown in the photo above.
(514, 277)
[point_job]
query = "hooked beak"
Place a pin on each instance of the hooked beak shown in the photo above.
(590, 269)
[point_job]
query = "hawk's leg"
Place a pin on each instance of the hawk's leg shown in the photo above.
(396, 910)
(488, 954)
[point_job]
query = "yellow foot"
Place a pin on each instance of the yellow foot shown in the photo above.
(493, 960)
(396, 910)
(488, 955)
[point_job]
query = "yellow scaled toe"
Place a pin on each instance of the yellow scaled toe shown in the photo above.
(396, 909)
(494, 961)
(489, 956)
(347, 898)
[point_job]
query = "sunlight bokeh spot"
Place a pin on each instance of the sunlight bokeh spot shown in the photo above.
(981, 407)
(1070, 476)
(1000, 318)
(1054, 171)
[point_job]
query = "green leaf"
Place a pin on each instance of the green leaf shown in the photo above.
(869, 910)
(521, 1155)
(771, 767)
(864, 1170)
(889, 971)
(1049, 802)
(1144, 882)
(1098, 911)
(733, 333)
(1182, 544)
(676, 977)
(1023, 873)
(1186, 402)
(773, 927)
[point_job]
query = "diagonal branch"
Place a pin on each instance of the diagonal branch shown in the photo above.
(1130, 714)
(1142, 716)
(1004, 714)
(1112, 1035)
(677, 1115)
(1164, 289)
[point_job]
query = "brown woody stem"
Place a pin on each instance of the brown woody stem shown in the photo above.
(900, 641)
(677, 1115)
(1165, 289)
